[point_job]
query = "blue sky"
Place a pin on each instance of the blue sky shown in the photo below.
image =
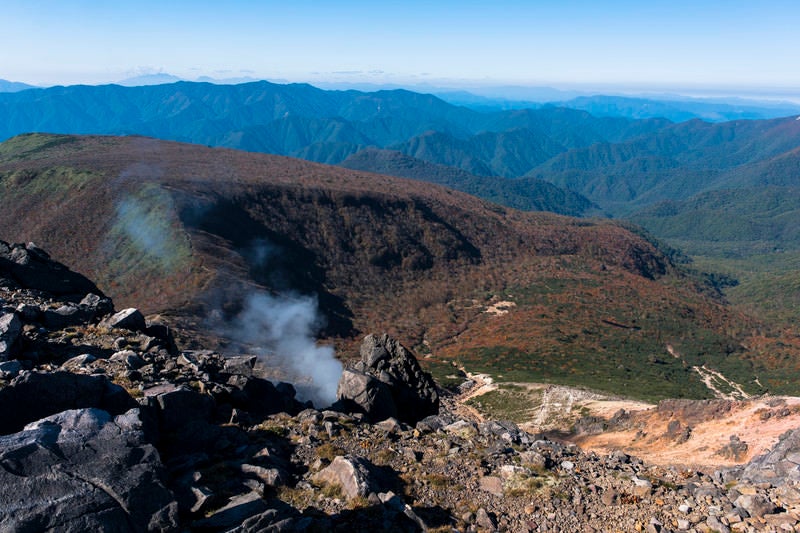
(654, 44)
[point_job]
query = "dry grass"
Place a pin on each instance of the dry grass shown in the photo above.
(329, 452)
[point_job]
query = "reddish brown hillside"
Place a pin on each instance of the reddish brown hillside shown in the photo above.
(187, 229)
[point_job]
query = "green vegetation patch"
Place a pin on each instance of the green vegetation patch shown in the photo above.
(146, 235)
(633, 375)
(444, 373)
(768, 283)
(507, 402)
(532, 294)
(29, 144)
(50, 185)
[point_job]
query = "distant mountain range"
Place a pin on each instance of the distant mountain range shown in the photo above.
(619, 164)
(162, 78)
(671, 107)
(324, 126)
(678, 161)
(681, 109)
(13, 86)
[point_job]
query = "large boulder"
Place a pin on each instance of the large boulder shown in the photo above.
(35, 395)
(88, 310)
(83, 470)
(388, 381)
(10, 331)
(261, 398)
(31, 268)
(131, 319)
(356, 476)
(778, 466)
(362, 392)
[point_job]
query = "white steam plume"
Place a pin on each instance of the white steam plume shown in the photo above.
(283, 327)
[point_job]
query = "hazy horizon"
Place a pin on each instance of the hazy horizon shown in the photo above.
(711, 48)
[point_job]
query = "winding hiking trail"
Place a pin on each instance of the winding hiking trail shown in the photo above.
(483, 384)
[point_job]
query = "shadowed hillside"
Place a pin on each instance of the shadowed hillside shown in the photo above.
(524, 194)
(532, 296)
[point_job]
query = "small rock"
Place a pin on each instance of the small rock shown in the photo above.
(492, 485)
(241, 364)
(461, 428)
(609, 497)
(28, 313)
(714, 523)
(63, 317)
(202, 497)
(10, 369)
(485, 520)
(782, 521)
(533, 459)
(272, 477)
(391, 425)
(755, 504)
(131, 359)
(78, 362)
(238, 509)
(97, 305)
(642, 487)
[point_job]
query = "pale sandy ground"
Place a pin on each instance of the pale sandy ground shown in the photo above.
(500, 308)
(554, 409)
(708, 436)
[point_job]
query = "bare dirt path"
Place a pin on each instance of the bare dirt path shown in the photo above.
(483, 383)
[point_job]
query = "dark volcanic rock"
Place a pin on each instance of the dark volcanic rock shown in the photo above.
(413, 391)
(260, 397)
(185, 422)
(82, 470)
(96, 306)
(735, 450)
(361, 392)
(755, 504)
(32, 268)
(64, 316)
(131, 319)
(36, 395)
(778, 466)
(183, 406)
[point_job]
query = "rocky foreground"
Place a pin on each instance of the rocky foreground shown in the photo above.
(105, 425)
